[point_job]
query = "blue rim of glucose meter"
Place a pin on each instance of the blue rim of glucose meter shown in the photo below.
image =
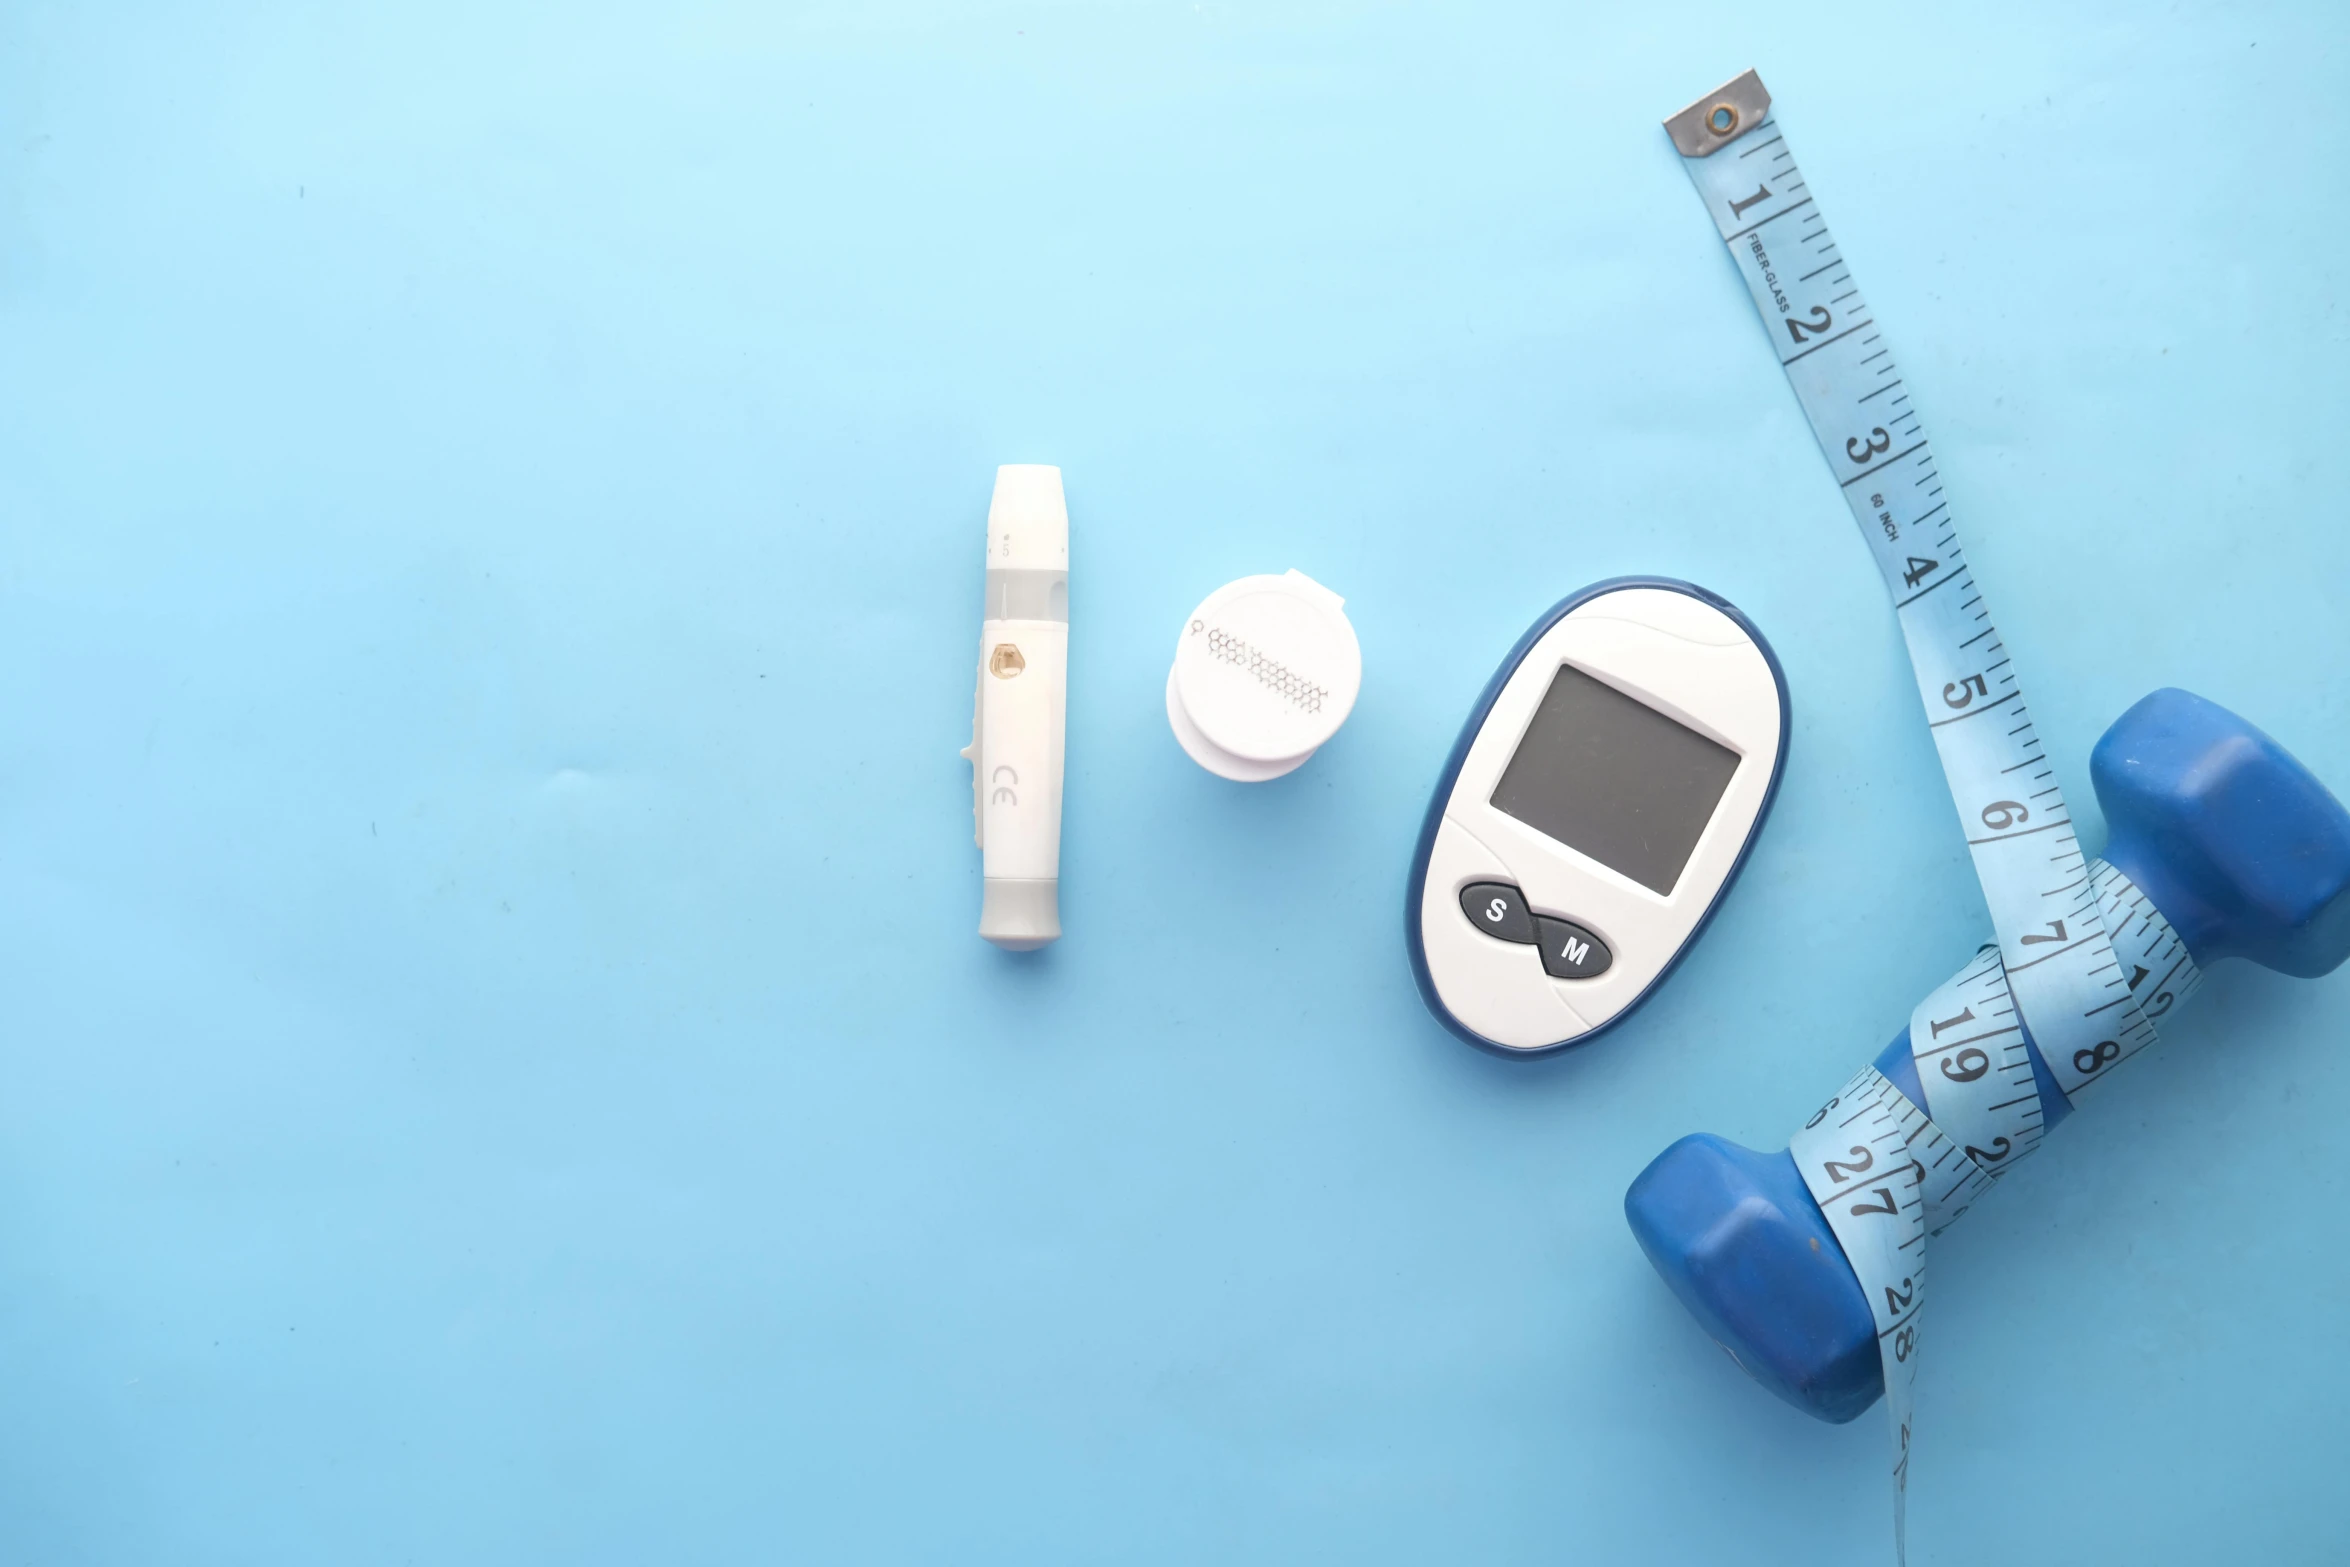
(1415, 894)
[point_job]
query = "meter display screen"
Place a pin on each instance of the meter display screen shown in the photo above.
(1613, 778)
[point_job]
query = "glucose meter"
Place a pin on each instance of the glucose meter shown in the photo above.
(1598, 804)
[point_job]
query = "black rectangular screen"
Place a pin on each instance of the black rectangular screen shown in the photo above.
(1615, 779)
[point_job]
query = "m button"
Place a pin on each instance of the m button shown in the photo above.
(1568, 950)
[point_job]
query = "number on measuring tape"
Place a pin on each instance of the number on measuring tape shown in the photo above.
(1976, 1070)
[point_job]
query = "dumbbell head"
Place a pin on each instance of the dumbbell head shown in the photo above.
(1740, 1241)
(2243, 851)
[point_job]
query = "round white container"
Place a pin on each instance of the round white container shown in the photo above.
(1266, 669)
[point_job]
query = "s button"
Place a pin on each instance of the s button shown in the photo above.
(1498, 909)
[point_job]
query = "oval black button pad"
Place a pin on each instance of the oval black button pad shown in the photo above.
(1568, 950)
(1498, 909)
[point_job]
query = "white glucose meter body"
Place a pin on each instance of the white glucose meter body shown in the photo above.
(1594, 811)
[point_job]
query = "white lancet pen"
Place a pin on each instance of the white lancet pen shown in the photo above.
(1020, 714)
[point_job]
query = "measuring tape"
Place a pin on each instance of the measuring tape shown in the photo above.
(1885, 1173)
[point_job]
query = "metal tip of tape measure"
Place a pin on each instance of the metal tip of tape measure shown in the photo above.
(1716, 120)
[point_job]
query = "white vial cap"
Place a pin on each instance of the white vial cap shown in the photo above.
(1266, 669)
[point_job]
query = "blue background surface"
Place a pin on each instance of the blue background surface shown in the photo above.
(494, 1061)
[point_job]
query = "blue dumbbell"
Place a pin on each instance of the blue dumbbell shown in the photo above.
(2232, 840)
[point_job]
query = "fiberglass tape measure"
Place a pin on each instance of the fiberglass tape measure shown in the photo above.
(1885, 1173)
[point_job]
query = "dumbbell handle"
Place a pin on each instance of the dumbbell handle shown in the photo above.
(2159, 965)
(2223, 845)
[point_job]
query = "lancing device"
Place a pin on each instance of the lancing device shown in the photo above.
(1020, 715)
